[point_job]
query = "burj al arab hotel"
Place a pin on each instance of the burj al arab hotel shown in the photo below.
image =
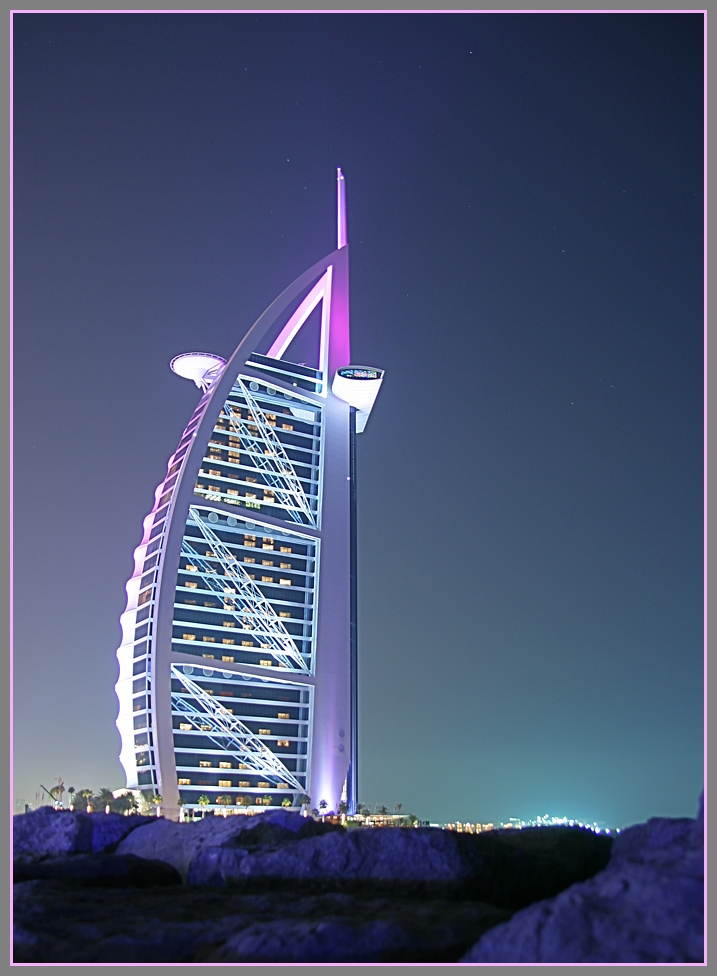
(238, 667)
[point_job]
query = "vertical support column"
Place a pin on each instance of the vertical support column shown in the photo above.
(353, 766)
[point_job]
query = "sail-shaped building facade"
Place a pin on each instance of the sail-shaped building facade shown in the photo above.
(237, 666)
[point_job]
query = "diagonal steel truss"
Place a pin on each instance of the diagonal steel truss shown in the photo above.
(228, 732)
(248, 604)
(270, 459)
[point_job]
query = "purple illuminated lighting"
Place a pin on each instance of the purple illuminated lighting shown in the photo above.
(148, 621)
(321, 292)
(341, 235)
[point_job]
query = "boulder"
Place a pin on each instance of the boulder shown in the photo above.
(508, 869)
(66, 922)
(179, 843)
(110, 870)
(419, 855)
(46, 832)
(645, 907)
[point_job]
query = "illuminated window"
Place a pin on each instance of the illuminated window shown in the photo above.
(267, 544)
(189, 600)
(208, 655)
(250, 494)
(205, 728)
(271, 417)
(249, 540)
(189, 636)
(144, 597)
(184, 782)
(284, 565)
(185, 727)
(283, 715)
(208, 640)
(208, 552)
(232, 491)
(284, 613)
(191, 569)
(284, 549)
(249, 559)
(204, 763)
(282, 786)
(224, 782)
(265, 664)
(285, 582)
(264, 786)
(209, 603)
(267, 562)
(282, 742)
(225, 765)
(228, 623)
(287, 426)
(229, 589)
(244, 783)
(192, 584)
(252, 480)
(267, 579)
(264, 732)
(217, 474)
(244, 765)
(247, 643)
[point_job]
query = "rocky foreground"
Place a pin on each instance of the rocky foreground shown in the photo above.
(278, 887)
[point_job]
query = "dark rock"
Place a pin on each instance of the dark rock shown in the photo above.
(63, 921)
(179, 843)
(646, 906)
(508, 869)
(422, 854)
(513, 868)
(45, 832)
(111, 870)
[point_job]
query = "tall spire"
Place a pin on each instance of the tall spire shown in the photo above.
(341, 210)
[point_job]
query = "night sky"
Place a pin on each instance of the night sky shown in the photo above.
(525, 202)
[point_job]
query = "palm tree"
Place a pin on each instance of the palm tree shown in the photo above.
(204, 802)
(157, 800)
(125, 803)
(286, 802)
(399, 807)
(86, 795)
(71, 791)
(244, 801)
(105, 798)
(225, 801)
(267, 799)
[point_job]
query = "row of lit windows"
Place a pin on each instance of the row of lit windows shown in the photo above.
(227, 783)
